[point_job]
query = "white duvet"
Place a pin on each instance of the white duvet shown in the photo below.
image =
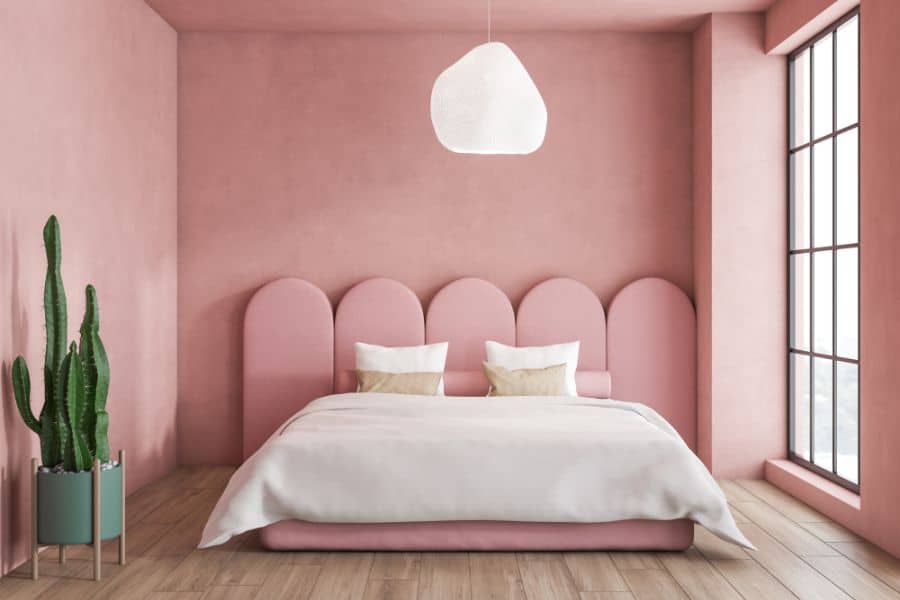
(388, 458)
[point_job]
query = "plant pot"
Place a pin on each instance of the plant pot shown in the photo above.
(65, 504)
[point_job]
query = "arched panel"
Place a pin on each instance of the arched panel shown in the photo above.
(377, 311)
(465, 313)
(288, 355)
(653, 351)
(564, 310)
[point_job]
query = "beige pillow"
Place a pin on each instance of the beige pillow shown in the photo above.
(549, 381)
(424, 384)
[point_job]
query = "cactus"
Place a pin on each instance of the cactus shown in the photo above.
(73, 422)
(56, 325)
(78, 457)
(96, 378)
(22, 389)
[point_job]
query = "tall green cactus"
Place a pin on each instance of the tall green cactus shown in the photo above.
(96, 378)
(73, 422)
(56, 325)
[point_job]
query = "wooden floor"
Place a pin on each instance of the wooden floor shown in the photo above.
(801, 555)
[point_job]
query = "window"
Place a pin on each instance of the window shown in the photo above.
(823, 253)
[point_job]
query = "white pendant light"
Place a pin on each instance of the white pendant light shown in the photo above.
(487, 103)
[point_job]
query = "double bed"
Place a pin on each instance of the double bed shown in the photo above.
(328, 468)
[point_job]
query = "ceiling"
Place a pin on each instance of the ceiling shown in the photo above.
(443, 15)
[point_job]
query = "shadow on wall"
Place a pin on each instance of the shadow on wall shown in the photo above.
(17, 438)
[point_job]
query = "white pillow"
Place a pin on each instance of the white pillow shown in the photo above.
(429, 358)
(536, 357)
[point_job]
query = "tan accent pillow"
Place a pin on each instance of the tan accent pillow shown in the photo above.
(549, 381)
(424, 384)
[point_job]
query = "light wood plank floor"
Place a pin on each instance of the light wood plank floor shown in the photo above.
(802, 554)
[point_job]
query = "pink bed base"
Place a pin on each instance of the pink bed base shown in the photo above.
(479, 535)
(296, 350)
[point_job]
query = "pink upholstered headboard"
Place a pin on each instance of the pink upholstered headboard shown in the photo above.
(296, 351)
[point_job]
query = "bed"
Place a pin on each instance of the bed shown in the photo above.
(330, 469)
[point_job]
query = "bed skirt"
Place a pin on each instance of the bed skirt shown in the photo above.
(479, 535)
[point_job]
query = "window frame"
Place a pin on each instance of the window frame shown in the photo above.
(834, 247)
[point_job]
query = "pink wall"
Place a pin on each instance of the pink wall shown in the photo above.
(313, 155)
(88, 121)
(879, 275)
(739, 245)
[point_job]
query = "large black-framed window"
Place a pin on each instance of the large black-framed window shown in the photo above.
(823, 253)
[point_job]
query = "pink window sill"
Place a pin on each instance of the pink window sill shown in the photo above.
(827, 497)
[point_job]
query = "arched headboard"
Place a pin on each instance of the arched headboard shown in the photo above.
(652, 341)
(288, 355)
(465, 313)
(564, 310)
(295, 351)
(377, 311)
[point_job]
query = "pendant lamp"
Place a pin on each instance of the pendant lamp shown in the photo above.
(487, 103)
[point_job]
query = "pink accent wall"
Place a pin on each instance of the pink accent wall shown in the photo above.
(88, 122)
(313, 155)
(739, 245)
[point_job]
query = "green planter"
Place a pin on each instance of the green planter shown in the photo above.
(65, 506)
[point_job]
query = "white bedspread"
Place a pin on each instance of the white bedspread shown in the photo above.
(370, 458)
